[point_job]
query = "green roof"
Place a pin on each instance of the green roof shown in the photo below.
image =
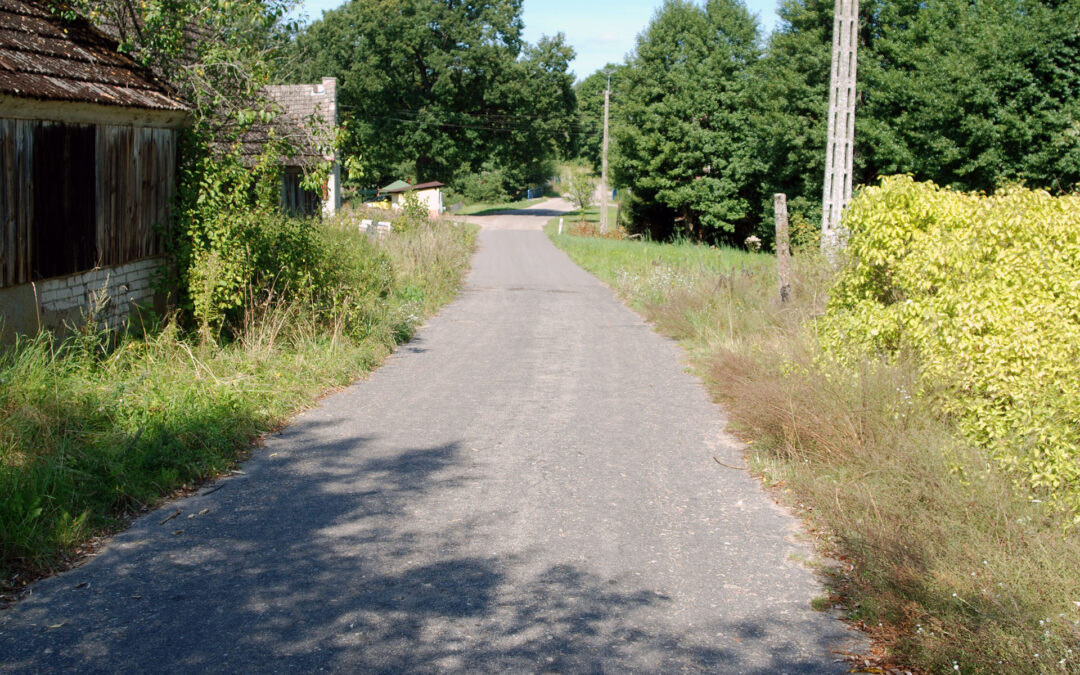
(396, 185)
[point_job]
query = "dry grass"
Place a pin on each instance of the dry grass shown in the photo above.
(942, 560)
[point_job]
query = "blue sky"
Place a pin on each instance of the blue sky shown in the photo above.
(600, 31)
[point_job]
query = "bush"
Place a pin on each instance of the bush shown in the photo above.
(252, 252)
(581, 188)
(485, 186)
(983, 291)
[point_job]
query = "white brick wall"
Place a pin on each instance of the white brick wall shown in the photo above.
(113, 292)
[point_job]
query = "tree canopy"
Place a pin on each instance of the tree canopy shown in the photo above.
(682, 132)
(433, 90)
(708, 124)
(974, 94)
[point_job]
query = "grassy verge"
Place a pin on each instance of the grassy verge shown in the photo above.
(89, 435)
(489, 208)
(592, 215)
(940, 559)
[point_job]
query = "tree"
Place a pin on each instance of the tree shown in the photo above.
(434, 88)
(582, 189)
(969, 95)
(540, 105)
(217, 54)
(682, 128)
(789, 102)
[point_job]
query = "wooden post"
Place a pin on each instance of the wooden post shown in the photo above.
(783, 245)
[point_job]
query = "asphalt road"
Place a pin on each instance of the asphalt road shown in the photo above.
(528, 486)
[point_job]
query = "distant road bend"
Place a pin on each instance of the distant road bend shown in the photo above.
(528, 486)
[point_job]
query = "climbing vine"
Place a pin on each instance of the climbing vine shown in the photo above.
(228, 241)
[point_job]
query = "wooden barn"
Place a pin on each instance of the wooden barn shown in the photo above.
(88, 158)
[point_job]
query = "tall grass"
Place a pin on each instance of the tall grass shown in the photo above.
(93, 430)
(938, 557)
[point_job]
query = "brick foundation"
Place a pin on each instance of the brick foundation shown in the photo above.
(112, 293)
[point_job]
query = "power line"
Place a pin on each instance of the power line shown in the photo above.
(512, 122)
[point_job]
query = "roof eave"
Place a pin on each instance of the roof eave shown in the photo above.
(83, 112)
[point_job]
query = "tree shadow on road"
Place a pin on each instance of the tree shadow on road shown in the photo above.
(537, 213)
(319, 557)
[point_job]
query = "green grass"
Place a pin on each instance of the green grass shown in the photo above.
(939, 558)
(622, 259)
(490, 208)
(90, 435)
(592, 215)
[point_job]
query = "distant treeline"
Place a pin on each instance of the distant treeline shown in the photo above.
(442, 90)
(709, 117)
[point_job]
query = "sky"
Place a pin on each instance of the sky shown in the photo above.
(600, 31)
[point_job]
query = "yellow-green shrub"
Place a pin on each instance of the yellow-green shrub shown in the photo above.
(985, 291)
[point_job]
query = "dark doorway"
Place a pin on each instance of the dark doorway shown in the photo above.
(65, 204)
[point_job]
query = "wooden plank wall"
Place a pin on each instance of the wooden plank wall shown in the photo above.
(295, 200)
(16, 201)
(136, 179)
(128, 192)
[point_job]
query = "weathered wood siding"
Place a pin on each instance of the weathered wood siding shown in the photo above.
(137, 175)
(16, 202)
(295, 200)
(76, 196)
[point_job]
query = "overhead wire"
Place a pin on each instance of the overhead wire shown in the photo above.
(507, 122)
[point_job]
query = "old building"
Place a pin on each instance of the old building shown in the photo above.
(312, 110)
(306, 119)
(428, 194)
(88, 158)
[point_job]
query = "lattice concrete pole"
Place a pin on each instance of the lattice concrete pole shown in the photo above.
(603, 163)
(841, 138)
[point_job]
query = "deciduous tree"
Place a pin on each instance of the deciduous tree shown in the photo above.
(683, 127)
(436, 88)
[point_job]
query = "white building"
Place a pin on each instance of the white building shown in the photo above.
(429, 194)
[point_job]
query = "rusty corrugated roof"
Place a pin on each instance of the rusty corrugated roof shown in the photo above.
(43, 56)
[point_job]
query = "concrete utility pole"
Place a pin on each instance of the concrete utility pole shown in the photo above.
(841, 139)
(603, 160)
